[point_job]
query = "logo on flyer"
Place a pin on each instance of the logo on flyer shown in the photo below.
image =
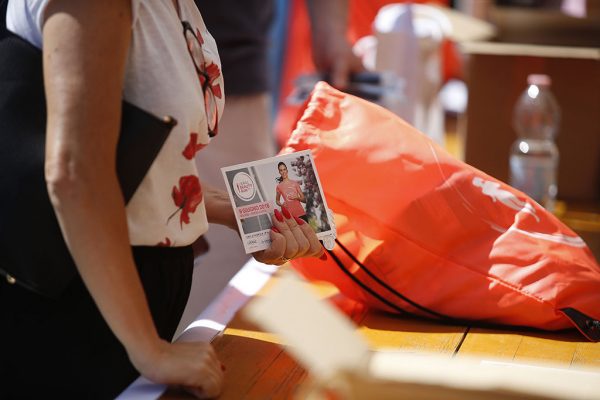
(243, 186)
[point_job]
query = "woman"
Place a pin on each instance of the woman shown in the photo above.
(134, 261)
(291, 193)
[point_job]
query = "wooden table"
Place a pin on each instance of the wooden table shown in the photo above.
(257, 367)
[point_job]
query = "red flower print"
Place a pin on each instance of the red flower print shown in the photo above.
(187, 197)
(192, 147)
(164, 243)
(212, 72)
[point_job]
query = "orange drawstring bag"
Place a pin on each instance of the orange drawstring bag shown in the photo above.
(421, 232)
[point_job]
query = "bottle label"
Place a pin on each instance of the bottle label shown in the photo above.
(535, 176)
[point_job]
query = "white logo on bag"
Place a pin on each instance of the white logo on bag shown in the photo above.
(243, 186)
(574, 241)
(492, 190)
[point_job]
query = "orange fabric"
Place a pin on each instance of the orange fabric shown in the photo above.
(445, 235)
(298, 55)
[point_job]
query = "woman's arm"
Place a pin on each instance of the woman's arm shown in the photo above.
(218, 207)
(84, 64)
(331, 49)
(278, 198)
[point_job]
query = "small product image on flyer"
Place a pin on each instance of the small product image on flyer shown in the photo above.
(259, 187)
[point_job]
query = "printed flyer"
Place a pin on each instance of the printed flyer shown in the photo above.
(257, 188)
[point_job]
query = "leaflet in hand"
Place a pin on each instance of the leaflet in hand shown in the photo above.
(259, 187)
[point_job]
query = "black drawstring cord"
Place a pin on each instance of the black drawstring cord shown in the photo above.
(390, 289)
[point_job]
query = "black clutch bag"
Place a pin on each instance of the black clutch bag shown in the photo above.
(32, 250)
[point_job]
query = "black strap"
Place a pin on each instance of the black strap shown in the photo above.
(3, 30)
(587, 325)
(384, 285)
(373, 293)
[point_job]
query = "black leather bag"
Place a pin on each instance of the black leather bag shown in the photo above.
(32, 250)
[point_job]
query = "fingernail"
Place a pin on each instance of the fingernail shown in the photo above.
(299, 221)
(278, 215)
(274, 229)
(286, 212)
(323, 257)
(222, 367)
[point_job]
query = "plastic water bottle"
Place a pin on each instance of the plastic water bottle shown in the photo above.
(534, 155)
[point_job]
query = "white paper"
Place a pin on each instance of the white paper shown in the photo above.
(319, 337)
(469, 375)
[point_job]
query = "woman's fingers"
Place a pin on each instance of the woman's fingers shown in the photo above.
(192, 365)
(293, 223)
(291, 237)
(211, 380)
(315, 249)
(274, 254)
(304, 235)
(283, 225)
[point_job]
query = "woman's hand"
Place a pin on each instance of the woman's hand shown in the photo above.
(332, 52)
(291, 237)
(193, 366)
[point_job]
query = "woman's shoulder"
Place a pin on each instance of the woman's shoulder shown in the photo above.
(26, 17)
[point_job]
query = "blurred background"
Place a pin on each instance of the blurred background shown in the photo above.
(461, 67)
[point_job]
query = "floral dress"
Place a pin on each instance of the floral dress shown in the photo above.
(173, 69)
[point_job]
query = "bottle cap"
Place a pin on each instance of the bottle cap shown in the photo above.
(539, 80)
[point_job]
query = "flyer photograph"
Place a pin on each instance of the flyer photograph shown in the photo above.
(259, 187)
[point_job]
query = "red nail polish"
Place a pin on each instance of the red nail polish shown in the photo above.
(323, 257)
(278, 215)
(275, 229)
(299, 221)
(286, 212)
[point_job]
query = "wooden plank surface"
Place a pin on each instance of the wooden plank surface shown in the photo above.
(255, 363)
(257, 366)
(385, 331)
(569, 349)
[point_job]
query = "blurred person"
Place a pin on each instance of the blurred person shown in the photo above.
(241, 30)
